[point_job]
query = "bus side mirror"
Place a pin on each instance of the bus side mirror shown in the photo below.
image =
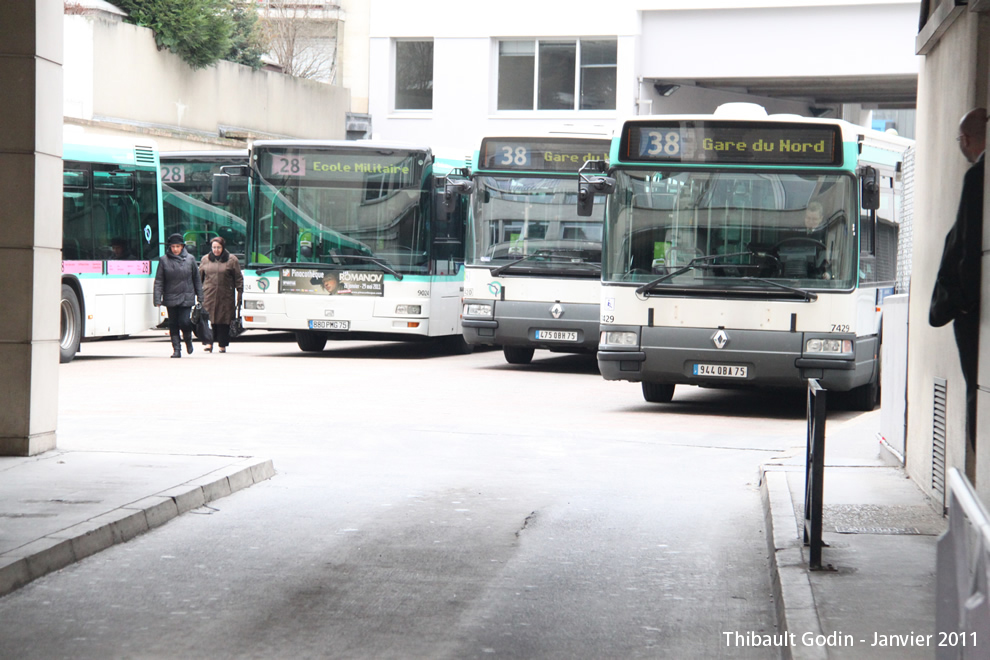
(453, 188)
(869, 180)
(592, 181)
(221, 185)
(221, 182)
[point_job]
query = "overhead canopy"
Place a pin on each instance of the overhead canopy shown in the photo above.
(885, 91)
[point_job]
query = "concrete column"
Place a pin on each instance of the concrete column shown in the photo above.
(30, 223)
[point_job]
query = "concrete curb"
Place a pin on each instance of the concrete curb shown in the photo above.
(57, 550)
(792, 593)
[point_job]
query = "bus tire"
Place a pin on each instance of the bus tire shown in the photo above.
(311, 342)
(70, 330)
(658, 392)
(518, 354)
(456, 345)
(867, 397)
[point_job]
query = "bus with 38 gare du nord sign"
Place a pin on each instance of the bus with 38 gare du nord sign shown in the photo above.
(533, 271)
(746, 250)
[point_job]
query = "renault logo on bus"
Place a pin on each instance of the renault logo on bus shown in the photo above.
(720, 339)
(557, 311)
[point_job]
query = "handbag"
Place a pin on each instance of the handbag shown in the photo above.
(236, 325)
(201, 326)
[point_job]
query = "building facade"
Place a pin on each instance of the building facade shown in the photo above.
(439, 77)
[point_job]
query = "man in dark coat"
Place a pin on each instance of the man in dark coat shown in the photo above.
(957, 288)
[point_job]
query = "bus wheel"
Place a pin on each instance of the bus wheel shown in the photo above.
(456, 345)
(311, 342)
(866, 397)
(518, 354)
(70, 333)
(658, 392)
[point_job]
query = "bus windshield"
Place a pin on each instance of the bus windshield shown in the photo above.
(727, 229)
(530, 224)
(362, 209)
(187, 183)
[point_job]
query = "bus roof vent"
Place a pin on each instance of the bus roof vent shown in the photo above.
(144, 155)
(741, 111)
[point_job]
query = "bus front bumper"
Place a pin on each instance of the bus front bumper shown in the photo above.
(532, 324)
(750, 359)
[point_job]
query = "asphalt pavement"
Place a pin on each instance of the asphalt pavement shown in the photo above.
(873, 598)
(874, 595)
(62, 506)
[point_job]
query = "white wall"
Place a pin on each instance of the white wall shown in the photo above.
(116, 80)
(947, 88)
(781, 42)
(354, 51)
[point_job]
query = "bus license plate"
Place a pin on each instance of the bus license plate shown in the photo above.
(720, 371)
(322, 324)
(556, 335)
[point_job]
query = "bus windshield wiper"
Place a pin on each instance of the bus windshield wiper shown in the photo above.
(694, 263)
(551, 254)
(703, 262)
(810, 296)
(320, 264)
(378, 261)
(498, 270)
(290, 264)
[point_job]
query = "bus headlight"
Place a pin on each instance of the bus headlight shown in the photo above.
(618, 338)
(478, 309)
(254, 304)
(828, 346)
(408, 309)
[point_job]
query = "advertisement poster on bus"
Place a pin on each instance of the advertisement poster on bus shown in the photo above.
(340, 283)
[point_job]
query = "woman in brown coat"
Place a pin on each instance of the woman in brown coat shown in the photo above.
(222, 279)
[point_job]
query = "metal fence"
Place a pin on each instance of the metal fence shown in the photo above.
(962, 605)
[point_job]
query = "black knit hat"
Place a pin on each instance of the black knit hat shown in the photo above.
(175, 239)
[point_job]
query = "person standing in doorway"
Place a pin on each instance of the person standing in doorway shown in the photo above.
(956, 296)
(222, 283)
(178, 287)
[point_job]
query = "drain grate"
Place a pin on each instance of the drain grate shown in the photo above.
(906, 531)
(879, 519)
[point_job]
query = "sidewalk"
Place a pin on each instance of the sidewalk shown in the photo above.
(61, 506)
(875, 597)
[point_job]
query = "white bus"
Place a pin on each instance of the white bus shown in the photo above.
(111, 239)
(748, 252)
(533, 277)
(353, 240)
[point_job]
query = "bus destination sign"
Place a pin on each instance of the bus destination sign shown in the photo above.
(540, 154)
(330, 166)
(752, 143)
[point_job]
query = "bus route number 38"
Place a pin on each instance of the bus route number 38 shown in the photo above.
(666, 143)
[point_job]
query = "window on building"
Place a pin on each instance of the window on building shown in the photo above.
(557, 75)
(414, 75)
(516, 69)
